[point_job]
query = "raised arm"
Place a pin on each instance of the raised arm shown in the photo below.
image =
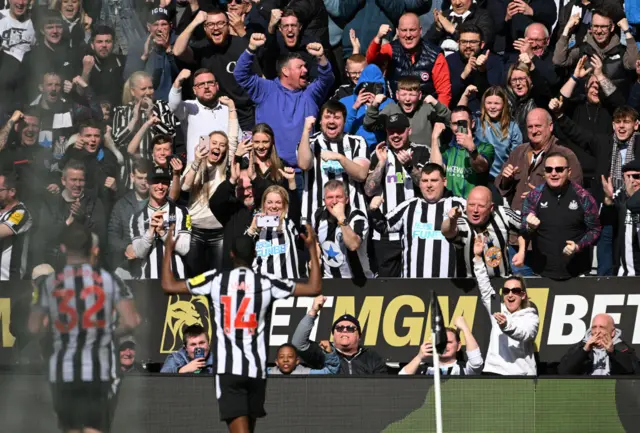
(373, 183)
(319, 88)
(256, 87)
(170, 285)
(313, 286)
(305, 155)
(181, 48)
(8, 127)
(484, 284)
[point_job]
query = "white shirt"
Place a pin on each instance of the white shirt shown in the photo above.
(18, 37)
(198, 120)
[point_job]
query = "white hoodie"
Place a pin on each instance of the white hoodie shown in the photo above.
(510, 350)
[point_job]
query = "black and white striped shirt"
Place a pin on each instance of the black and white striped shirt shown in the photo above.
(628, 238)
(397, 184)
(14, 248)
(276, 252)
(502, 221)
(81, 303)
(337, 260)
(122, 136)
(240, 305)
(354, 148)
(153, 248)
(426, 252)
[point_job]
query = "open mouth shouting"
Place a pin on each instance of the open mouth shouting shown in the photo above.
(290, 38)
(396, 140)
(332, 129)
(215, 155)
(261, 151)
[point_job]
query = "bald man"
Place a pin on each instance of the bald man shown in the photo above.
(494, 223)
(601, 352)
(412, 55)
(534, 46)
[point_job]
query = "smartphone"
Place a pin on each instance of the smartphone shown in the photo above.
(247, 135)
(203, 142)
(463, 126)
(198, 352)
(268, 221)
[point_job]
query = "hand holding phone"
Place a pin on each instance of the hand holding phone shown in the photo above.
(268, 221)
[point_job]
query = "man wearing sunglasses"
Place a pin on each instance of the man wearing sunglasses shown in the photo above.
(561, 220)
(624, 219)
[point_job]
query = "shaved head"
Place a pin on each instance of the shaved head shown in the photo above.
(409, 31)
(481, 193)
(604, 320)
(479, 206)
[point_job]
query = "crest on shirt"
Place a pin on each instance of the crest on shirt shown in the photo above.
(331, 254)
(544, 204)
(573, 205)
(183, 311)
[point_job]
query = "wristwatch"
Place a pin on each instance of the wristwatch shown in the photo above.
(343, 222)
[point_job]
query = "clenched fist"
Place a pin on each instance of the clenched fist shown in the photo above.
(257, 40)
(533, 222)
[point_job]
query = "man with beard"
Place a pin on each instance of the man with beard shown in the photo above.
(121, 257)
(331, 154)
(58, 115)
(150, 228)
(102, 69)
(560, 218)
(285, 103)
(473, 64)
(494, 223)
(289, 39)
(60, 211)
(203, 115)
(15, 225)
(31, 162)
(422, 114)
(219, 54)
(396, 175)
(419, 221)
(100, 163)
(156, 56)
(18, 37)
(412, 55)
(603, 41)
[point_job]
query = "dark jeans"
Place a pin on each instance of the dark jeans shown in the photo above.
(205, 252)
(524, 270)
(604, 252)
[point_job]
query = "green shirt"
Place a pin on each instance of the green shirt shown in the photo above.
(461, 178)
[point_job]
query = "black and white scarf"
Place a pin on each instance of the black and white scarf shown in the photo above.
(616, 160)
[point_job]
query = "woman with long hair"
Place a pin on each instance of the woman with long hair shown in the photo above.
(522, 99)
(202, 177)
(277, 239)
(262, 156)
(76, 22)
(139, 119)
(495, 125)
(514, 328)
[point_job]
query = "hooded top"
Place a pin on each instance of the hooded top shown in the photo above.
(355, 118)
(601, 365)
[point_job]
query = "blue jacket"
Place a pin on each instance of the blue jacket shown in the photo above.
(501, 146)
(355, 118)
(283, 109)
(179, 359)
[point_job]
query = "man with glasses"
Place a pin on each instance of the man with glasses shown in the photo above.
(219, 54)
(412, 55)
(603, 41)
(473, 65)
(561, 220)
(203, 115)
(532, 51)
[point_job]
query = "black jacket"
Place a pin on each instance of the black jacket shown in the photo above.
(479, 17)
(234, 216)
(365, 361)
(622, 360)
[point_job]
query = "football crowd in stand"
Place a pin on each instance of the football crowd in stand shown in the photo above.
(479, 139)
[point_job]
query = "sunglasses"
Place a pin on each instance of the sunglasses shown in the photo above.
(346, 328)
(635, 176)
(507, 290)
(556, 169)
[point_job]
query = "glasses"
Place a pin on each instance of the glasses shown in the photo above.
(468, 42)
(594, 27)
(507, 290)
(518, 80)
(346, 328)
(635, 176)
(288, 26)
(538, 41)
(204, 84)
(218, 25)
(354, 74)
(549, 170)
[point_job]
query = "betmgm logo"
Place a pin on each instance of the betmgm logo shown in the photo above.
(183, 311)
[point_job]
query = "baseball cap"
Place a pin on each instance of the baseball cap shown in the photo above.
(397, 121)
(348, 318)
(631, 166)
(159, 174)
(158, 14)
(127, 343)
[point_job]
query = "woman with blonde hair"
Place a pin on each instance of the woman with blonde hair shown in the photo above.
(277, 237)
(139, 119)
(514, 328)
(201, 178)
(495, 125)
(521, 81)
